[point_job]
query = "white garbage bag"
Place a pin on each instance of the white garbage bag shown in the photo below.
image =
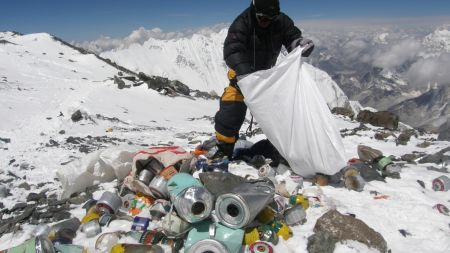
(95, 168)
(294, 116)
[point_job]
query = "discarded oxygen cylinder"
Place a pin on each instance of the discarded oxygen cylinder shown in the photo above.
(240, 207)
(34, 245)
(441, 183)
(136, 248)
(191, 200)
(145, 176)
(212, 237)
(64, 231)
(109, 202)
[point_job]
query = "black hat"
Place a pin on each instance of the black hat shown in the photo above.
(267, 7)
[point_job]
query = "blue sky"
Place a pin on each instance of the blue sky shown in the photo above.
(88, 19)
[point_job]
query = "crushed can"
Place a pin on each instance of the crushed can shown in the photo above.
(109, 203)
(240, 207)
(91, 229)
(260, 247)
(174, 226)
(295, 215)
(151, 237)
(266, 171)
(268, 234)
(299, 199)
(442, 209)
(140, 223)
(282, 229)
(105, 219)
(191, 200)
(207, 236)
(441, 183)
(35, 245)
(251, 235)
(383, 162)
(205, 165)
(159, 209)
(168, 172)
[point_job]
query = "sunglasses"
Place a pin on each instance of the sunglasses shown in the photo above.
(265, 17)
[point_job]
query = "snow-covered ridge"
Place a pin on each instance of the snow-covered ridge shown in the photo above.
(198, 62)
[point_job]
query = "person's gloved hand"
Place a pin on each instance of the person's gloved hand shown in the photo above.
(308, 46)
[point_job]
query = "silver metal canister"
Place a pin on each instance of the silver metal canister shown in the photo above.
(194, 204)
(239, 208)
(146, 176)
(441, 183)
(91, 229)
(109, 202)
(208, 246)
(158, 186)
(295, 215)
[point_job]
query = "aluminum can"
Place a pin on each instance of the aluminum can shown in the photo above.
(145, 176)
(140, 223)
(109, 202)
(441, 183)
(91, 229)
(158, 186)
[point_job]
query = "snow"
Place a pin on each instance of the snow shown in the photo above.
(39, 87)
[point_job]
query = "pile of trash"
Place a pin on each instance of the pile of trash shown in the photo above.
(178, 200)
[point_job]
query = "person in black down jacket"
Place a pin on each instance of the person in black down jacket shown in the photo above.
(253, 43)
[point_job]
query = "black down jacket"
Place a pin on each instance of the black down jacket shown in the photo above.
(249, 48)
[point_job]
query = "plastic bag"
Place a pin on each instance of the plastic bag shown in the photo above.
(96, 167)
(292, 113)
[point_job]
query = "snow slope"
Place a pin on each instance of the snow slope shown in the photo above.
(41, 91)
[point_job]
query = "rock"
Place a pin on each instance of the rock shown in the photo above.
(382, 119)
(63, 215)
(77, 116)
(18, 206)
(120, 83)
(338, 228)
(444, 131)
(343, 111)
(410, 158)
(437, 158)
(78, 200)
(62, 132)
(180, 87)
(4, 192)
(25, 186)
(1, 206)
(405, 136)
(368, 154)
(321, 242)
(5, 140)
(37, 197)
(424, 144)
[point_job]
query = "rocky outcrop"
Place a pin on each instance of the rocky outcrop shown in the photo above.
(382, 119)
